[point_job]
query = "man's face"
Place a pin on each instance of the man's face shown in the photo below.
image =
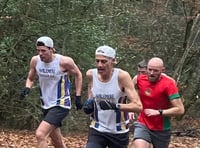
(45, 53)
(104, 64)
(142, 70)
(154, 73)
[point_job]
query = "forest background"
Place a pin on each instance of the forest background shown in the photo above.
(137, 29)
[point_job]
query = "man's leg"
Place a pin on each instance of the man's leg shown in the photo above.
(57, 138)
(142, 137)
(118, 140)
(50, 126)
(160, 139)
(42, 132)
(141, 143)
(96, 139)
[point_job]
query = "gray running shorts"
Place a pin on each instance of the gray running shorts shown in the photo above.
(159, 139)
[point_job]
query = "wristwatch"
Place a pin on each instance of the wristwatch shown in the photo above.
(160, 111)
(118, 106)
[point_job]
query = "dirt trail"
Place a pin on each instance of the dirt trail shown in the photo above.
(26, 139)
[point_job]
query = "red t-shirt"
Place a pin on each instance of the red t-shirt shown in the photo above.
(156, 96)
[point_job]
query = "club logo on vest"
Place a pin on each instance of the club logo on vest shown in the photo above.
(148, 92)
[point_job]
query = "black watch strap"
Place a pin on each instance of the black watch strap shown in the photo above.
(160, 111)
(118, 106)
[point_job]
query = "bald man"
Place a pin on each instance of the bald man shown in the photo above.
(161, 100)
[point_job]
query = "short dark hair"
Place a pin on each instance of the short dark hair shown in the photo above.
(142, 64)
(41, 44)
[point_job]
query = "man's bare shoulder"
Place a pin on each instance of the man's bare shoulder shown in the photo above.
(123, 73)
(89, 72)
(35, 57)
(172, 79)
(67, 64)
(66, 59)
(124, 77)
(135, 77)
(34, 60)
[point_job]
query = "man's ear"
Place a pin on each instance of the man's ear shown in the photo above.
(53, 49)
(163, 69)
(114, 60)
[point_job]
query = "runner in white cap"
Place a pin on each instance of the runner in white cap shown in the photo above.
(107, 88)
(53, 71)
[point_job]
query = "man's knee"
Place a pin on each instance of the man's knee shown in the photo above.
(40, 136)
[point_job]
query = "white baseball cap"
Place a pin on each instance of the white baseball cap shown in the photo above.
(105, 51)
(47, 41)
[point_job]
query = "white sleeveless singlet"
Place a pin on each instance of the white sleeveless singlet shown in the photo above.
(110, 121)
(54, 84)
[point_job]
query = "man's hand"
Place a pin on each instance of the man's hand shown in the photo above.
(88, 106)
(151, 112)
(78, 102)
(131, 116)
(24, 92)
(107, 105)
